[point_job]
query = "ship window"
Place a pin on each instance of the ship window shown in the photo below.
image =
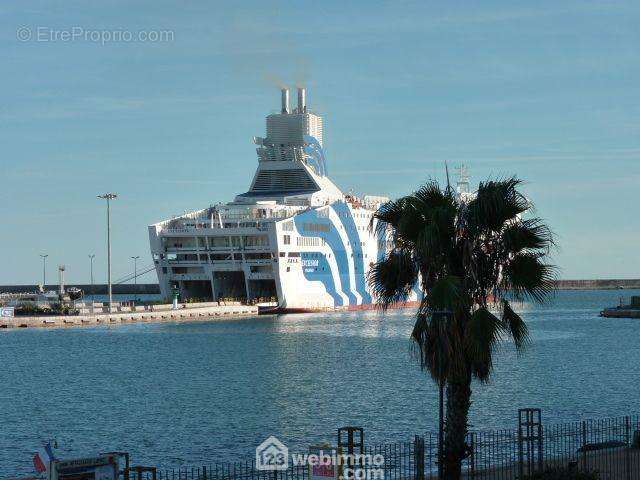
(294, 254)
(283, 180)
(261, 268)
(256, 240)
(288, 269)
(287, 239)
(308, 241)
(216, 257)
(257, 256)
(283, 254)
(219, 241)
(316, 227)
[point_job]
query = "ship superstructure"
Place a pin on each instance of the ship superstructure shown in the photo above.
(293, 239)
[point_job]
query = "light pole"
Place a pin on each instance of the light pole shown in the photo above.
(108, 197)
(135, 276)
(91, 257)
(44, 271)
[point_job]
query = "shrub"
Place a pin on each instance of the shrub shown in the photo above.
(33, 310)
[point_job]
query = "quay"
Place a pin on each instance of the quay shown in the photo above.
(188, 312)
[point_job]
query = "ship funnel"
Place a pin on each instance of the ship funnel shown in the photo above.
(302, 100)
(285, 100)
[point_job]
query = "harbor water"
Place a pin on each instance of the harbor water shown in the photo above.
(195, 393)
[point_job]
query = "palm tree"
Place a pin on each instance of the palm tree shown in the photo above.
(470, 255)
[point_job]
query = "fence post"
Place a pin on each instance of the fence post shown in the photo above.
(418, 453)
(472, 454)
(520, 452)
(540, 446)
(584, 444)
(627, 452)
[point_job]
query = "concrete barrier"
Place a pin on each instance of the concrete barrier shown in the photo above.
(191, 313)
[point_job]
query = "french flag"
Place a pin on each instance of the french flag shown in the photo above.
(43, 459)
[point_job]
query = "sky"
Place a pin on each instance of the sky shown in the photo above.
(158, 101)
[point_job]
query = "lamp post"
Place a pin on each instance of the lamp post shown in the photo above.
(91, 257)
(44, 271)
(108, 197)
(135, 276)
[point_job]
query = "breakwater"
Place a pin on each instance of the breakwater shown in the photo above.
(96, 289)
(598, 284)
(132, 314)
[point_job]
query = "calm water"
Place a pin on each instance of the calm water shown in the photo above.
(193, 393)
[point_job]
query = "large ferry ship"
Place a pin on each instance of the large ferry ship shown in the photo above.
(294, 240)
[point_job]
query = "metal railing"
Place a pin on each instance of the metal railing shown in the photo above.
(610, 447)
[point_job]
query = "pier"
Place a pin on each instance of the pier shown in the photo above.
(132, 314)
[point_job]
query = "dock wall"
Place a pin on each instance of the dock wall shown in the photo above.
(158, 313)
(598, 284)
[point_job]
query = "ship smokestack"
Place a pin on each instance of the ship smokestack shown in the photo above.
(285, 100)
(302, 100)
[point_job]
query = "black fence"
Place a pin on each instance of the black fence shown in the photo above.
(610, 447)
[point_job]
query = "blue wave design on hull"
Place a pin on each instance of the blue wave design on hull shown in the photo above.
(320, 273)
(349, 224)
(333, 240)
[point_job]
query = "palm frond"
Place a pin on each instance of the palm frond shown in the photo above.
(427, 207)
(387, 217)
(526, 276)
(496, 202)
(392, 279)
(515, 326)
(432, 343)
(445, 294)
(482, 334)
(530, 234)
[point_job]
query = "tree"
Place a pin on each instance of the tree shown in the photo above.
(470, 255)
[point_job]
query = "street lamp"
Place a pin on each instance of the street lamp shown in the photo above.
(44, 271)
(108, 197)
(135, 276)
(91, 257)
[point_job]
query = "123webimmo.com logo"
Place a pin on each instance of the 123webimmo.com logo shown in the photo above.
(272, 455)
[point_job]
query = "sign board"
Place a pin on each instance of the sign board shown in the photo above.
(104, 467)
(7, 312)
(323, 463)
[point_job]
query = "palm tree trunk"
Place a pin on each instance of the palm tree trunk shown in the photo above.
(455, 447)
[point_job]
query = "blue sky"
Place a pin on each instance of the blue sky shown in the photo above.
(549, 91)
